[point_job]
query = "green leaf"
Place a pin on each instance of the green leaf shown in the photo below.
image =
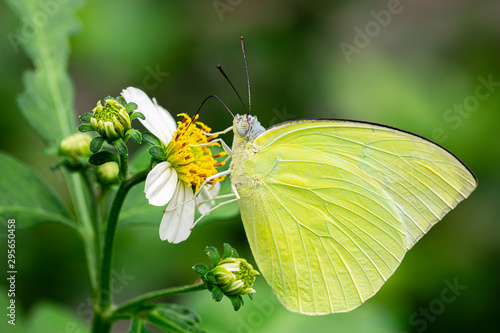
(25, 197)
(213, 254)
(200, 269)
(171, 320)
(50, 317)
(85, 128)
(86, 117)
(137, 326)
(96, 144)
(217, 294)
(135, 135)
(103, 157)
(229, 252)
(48, 99)
(120, 146)
(151, 139)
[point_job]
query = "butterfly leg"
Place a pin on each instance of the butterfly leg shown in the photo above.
(219, 133)
(223, 144)
(211, 209)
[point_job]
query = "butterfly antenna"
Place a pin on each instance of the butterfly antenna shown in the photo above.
(219, 67)
(246, 70)
(220, 101)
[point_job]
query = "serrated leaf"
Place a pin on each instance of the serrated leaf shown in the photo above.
(103, 157)
(26, 197)
(200, 269)
(86, 117)
(172, 321)
(135, 135)
(229, 252)
(137, 326)
(151, 139)
(96, 144)
(213, 254)
(217, 294)
(187, 313)
(48, 99)
(120, 146)
(85, 128)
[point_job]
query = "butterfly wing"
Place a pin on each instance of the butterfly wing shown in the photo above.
(331, 207)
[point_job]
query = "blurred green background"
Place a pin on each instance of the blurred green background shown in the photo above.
(417, 69)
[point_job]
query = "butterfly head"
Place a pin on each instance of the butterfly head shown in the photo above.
(247, 126)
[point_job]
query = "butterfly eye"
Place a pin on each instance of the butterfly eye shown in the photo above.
(243, 126)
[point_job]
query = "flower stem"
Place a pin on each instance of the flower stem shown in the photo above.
(122, 310)
(101, 323)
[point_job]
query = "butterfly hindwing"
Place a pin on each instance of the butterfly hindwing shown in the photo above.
(333, 206)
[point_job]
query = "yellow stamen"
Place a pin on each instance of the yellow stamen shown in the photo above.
(194, 164)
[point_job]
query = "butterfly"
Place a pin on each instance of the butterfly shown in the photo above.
(330, 207)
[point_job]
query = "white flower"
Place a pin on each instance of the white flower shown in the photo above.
(172, 180)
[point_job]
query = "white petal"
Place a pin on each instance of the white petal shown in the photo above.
(205, 194)
(158, 120)
(176, 225)
(160, 184)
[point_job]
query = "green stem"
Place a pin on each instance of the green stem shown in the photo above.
(101, 321)
(122, 310)
(81, 205)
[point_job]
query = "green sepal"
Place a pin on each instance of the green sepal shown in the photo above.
(237, 302)
(85, 128)
(107, 98)
(210, 277)
(157, 152)
(217, 294)
(121, 100)
(120, 146)
(86, 117)
(150, 138)
(230, 252)
(137, 115)
(103, 157)
(135, 135)
(250, 296)
(200, 269)
(130, 107)
(96, 144)
(213, 254)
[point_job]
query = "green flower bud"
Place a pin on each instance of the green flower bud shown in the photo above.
(111, 121)
(108, 173)
(234, 276)
(75, 146)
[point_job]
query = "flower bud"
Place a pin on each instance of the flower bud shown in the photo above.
(234, 276)
(111, 121)
(107, 173)
(75, 146)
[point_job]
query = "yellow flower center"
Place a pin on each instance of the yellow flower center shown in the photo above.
(193, 163)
